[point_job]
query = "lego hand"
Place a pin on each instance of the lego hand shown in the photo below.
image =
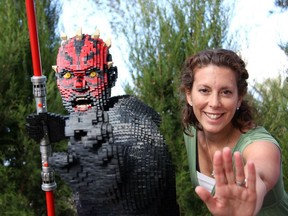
(55, 124)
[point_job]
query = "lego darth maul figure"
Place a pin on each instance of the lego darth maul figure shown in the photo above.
(116, 161)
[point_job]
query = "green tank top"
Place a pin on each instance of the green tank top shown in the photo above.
(276, 200)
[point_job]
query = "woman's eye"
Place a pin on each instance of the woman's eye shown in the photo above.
(67, 75)
(226, 92)
(93, 74)
(203, 90)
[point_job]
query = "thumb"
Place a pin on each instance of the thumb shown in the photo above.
(204, 195)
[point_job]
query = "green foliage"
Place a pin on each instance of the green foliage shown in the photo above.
(12, 202)
(160, 35)
(20, 163)
(279, 89)
(271, 100)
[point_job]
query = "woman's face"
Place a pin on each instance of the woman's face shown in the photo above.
(214, 97)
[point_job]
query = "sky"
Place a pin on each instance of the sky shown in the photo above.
(258, 34)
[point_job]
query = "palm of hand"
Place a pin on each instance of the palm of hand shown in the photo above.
(230, 199)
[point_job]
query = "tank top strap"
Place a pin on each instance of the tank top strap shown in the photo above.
(190, 143)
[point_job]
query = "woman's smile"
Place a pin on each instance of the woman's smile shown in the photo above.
(213, 116)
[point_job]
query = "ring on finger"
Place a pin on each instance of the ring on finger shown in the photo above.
(241, 183)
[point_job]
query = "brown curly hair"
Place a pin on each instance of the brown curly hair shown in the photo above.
(243, 117)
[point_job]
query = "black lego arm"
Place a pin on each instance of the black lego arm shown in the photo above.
(55, 124)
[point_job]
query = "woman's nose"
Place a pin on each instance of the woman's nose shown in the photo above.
(80, 84)
(214, 101)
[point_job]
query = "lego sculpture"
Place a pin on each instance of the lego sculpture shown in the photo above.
(116, 162)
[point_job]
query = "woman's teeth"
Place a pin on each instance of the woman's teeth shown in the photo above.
(213, 116)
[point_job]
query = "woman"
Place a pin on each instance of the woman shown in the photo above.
(235, 165)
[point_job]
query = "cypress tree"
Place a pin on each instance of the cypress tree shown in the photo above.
(160, 35)
(20, 163)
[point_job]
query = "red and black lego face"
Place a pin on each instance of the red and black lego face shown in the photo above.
(83, 76)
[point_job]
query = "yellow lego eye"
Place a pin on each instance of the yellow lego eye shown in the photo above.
(67, 75)
(93, 74)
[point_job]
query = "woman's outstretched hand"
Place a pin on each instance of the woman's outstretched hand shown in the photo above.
(235, 192)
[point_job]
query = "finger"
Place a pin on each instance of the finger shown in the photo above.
(251, 179)
(204, 195)
(239, 168)
(228, 165)
(218, 167)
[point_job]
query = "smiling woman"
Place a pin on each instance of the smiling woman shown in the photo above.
(214, 97)
(235, 165)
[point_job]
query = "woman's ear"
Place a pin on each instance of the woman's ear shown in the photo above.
(189, 98)
(239, 103)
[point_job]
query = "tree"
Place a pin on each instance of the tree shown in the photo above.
(159, 47)
(283, 4)
(160, 35)
(20, 163)
(271, 100)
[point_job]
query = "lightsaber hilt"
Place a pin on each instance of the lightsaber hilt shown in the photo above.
(39, 91)
(47, 174)
(48, 178)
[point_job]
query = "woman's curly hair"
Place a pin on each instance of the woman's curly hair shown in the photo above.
(243, 117)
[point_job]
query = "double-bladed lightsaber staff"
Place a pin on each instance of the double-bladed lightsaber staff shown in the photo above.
(39, 91)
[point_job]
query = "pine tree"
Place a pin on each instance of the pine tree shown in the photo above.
(20, 163)
(270, 100)
(283, 4)
(160, 35)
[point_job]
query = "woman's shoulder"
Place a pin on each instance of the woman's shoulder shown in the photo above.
(258, 133)
(255, 134)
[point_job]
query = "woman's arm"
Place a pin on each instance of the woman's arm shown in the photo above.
(266, 157)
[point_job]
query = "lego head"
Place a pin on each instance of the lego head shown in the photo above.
(84, 72)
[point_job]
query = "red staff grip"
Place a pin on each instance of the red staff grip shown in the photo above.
(34, 43)
(50, 203)
(37, 68)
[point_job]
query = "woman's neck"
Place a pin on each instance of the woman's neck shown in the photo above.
(221, 139)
